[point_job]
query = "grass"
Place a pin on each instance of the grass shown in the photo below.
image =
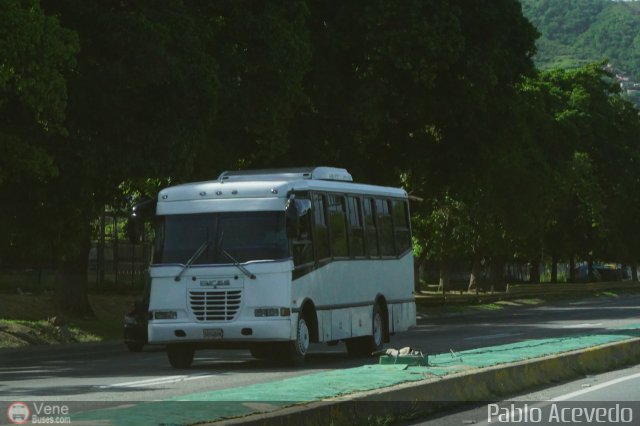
(16, 333)
(466, 308)
(27, 319)
(607, 294)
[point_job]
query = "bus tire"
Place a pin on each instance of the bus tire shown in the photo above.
(296, 351)
(366, 345)
(180, 355)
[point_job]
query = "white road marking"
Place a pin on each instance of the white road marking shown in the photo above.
(157, 381)
(595, 388)
(493, 336)
(586, 325)
(569, 396)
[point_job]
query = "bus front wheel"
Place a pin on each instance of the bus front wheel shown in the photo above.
(366, 345)
(297, 349)
(180, 355)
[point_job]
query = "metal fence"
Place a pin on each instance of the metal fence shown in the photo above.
(124, 265)
(114, 264)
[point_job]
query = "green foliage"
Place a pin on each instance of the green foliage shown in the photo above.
(444, 228)
(469, 148)
(35, 53)
(575, 32)
(563, 20)
(589, 145)
(102, 103)
(262, 50)
(372, 81)
(36, 56)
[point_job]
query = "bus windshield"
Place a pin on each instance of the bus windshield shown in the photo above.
(205, 237)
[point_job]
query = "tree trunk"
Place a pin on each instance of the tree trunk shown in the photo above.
(71, 283)
(417, 263)
(634, 271)
(445, 270)
(100, 252)
(590, 275)
(474, 279)
(496, 273)
(572, 269)
(554, 269)
(534, 271)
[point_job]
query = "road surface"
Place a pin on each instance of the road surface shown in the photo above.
(107, 372)
(614, 396)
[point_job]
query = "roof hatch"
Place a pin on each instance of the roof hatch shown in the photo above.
(318, 173)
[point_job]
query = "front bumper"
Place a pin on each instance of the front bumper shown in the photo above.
(163, 332)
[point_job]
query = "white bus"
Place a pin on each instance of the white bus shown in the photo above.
(272, 260)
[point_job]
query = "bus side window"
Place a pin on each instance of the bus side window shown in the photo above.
(401, 226)
(371, 233)
(320, 227)
(356, 230)
(385, 225)
(338, 224)
(303, 245)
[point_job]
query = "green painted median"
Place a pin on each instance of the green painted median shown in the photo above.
(264, 397)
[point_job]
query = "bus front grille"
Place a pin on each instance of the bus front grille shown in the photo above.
(215, 305)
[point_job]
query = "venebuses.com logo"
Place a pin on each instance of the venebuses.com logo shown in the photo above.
(37, 412)
(18, 413)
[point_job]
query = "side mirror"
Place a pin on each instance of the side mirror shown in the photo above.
(292, 220)
(296, 208)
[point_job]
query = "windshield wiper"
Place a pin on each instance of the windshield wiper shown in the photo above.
(192, 259)
(238, 265)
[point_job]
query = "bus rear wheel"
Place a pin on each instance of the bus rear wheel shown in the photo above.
(366, 345)
(180, 355)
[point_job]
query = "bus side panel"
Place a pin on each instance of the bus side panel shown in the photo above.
(403, 316)
(344, 291)
(324, 323)
(361, 321)
(340, 324)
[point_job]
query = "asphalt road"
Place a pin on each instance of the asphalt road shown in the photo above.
(614, 395)
(107, 372)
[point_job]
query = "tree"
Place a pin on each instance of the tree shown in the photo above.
(476, 146)
(578, 32)
(370, 83)
(445, 232)
(588, 141)
(161, 90)
(262, 50)
(36, 53)
(141, 100)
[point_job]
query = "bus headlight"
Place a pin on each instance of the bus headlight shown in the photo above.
(272, 312)
(165, 315)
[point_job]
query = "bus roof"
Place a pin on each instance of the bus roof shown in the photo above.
(274, 184)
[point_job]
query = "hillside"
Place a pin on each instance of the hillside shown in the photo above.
(574, 32)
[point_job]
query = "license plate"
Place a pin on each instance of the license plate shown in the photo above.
(212, 333)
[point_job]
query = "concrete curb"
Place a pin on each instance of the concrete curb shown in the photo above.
(565, 291)
(435, 394)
